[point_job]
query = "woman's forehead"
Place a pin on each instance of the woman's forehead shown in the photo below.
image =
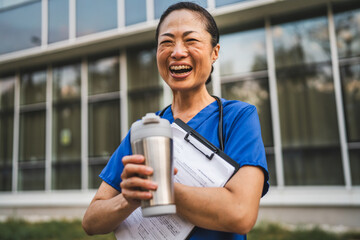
(183, 19)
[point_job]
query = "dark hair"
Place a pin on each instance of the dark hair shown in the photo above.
(209, 21)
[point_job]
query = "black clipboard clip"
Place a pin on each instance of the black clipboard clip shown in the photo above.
(212, 150)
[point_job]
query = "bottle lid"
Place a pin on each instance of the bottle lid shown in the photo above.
(150, 125)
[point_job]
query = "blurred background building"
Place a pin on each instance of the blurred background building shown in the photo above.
(74, 75)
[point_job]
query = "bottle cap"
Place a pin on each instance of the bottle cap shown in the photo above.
(150, 125)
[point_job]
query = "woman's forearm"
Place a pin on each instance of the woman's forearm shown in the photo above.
(103, 216)
(233, 208)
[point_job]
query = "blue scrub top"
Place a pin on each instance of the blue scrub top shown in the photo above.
(242, 142)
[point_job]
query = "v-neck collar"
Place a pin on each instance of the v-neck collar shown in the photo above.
(198, 119)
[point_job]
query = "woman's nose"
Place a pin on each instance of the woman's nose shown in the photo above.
(179, 51)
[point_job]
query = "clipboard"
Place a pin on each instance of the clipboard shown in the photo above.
(200, 164)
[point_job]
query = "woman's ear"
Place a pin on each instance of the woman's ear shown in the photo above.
(215, 53)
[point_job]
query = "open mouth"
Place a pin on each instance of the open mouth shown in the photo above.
(180, 69)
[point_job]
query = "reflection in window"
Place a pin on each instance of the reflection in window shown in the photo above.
(66, 149)
(242, 52)
(347, 26)
(67, 82)
(350, 76)
(95, 16)
(143, 83)
(32, 151)
(256, 92)
(135, 11)
(162, 5)
(309, 127)
(33, 87)
(104, 75)
(20, 27)
(301, 42)
(6, 131)
(58, 20)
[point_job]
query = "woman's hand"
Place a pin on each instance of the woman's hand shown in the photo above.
(135, 188)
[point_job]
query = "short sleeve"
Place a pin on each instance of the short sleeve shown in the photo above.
(111, 174)
(243, 141)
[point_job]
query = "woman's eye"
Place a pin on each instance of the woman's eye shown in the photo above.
(192, 40)
(165, 42)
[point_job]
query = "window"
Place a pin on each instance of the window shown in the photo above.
(66, 149)
(244, 77)
(58, 20)
(308, 118)
(20, 27)
(135, 11)
(144, 89)
(104, 114)
(220, 3)
(95, 16)
(32, 131)
(7, 86)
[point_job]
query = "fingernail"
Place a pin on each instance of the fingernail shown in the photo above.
(148, 169)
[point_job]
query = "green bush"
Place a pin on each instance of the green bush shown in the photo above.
(52, 230)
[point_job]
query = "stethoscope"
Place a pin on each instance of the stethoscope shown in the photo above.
(220, 128)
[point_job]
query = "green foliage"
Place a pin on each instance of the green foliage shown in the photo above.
(52, 230)
(271, 231)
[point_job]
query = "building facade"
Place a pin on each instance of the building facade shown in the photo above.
(74, 75)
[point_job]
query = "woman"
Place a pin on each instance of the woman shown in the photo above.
(187, 46)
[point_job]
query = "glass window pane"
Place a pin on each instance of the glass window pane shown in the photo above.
(20, 27)
(300, 42)
(256, 92)
(58, 20)
(270, 159)
(143, 102)
(309, 127)
(6, 149)
(162, 5)
(66, 82)
(33, 87)
(242, 52)
(347, 26)
(7, 86)
(354, 155)
(32, 177)
(135, 11)
(220, 3)
(104, 75)
(94, 171)
(142, 68)
(66, 175)
(66, 132)
(32, 136)
(95, 16)
(350, 76)
(104, 128)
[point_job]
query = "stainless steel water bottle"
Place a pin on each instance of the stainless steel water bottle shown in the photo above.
(152, 137)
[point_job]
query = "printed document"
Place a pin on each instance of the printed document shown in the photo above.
(194, 169)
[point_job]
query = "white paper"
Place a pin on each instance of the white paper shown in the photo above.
(194, 169)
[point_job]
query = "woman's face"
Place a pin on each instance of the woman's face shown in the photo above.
(184, 51)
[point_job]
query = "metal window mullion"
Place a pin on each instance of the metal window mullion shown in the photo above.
(123, 95)
(150, 10)
(216, 81)
(274, 105)
(16, 131)
(48, 142)
(44, 23)
(84, 125)
(121, 13)
(72, 20)
(338, 98)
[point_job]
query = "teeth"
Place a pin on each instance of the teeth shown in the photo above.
(179, 67)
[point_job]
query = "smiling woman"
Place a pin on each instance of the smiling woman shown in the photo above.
(187, 46)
